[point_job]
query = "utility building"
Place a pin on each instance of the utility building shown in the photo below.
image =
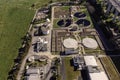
(78, 62)
(94, 73)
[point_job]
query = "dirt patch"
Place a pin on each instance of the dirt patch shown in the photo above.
(62, 11)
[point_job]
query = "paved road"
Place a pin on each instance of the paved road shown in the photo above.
(51, 27)
(23, 63)
(24, 60)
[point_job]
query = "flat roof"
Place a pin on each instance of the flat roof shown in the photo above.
(98, 76)
(90, 61)
(33, 71)
(33, 77)
(78, 59)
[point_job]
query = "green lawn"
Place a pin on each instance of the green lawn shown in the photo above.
(84, 9)
(70, 73)
(55, 25)
(65, 8)
(15, 17)
(110, 68)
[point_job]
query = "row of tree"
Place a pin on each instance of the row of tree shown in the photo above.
(22, 52)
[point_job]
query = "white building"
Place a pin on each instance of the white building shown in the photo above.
(98, 76)
(33, 77)
(33, 71)
(90, 61)
(33, 74)
(38, 73)
(94, 73)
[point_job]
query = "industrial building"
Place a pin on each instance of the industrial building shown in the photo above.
(41, 45)
(78, 62)
(33, 73)
(91, 66)
(94, 72)
(37, 73)
(98, 76)
(90, 61)
(34, 77)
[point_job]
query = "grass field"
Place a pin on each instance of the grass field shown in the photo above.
(55, 25)
(70, 73)
(15, 17)
(110, 68)
(84, 9)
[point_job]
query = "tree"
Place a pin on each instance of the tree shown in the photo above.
(33, 5)
(50, 1)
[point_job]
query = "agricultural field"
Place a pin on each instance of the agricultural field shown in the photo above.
(15, 17)
(110, 68)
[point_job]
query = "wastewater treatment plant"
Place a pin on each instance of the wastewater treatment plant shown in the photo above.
(60, 40)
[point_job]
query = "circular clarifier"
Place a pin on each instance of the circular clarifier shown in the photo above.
(64, 22)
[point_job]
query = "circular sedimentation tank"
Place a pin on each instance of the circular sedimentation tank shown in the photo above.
(70, 43)
(64, 22)
(80, 15)
(89, 43)
(83, 23)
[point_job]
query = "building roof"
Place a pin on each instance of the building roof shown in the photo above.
(92, 69)
(44, 29)
(90, 61)
(78, 59)
(33, 77)
(33, 71)
(98, 76)
(70, 43)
